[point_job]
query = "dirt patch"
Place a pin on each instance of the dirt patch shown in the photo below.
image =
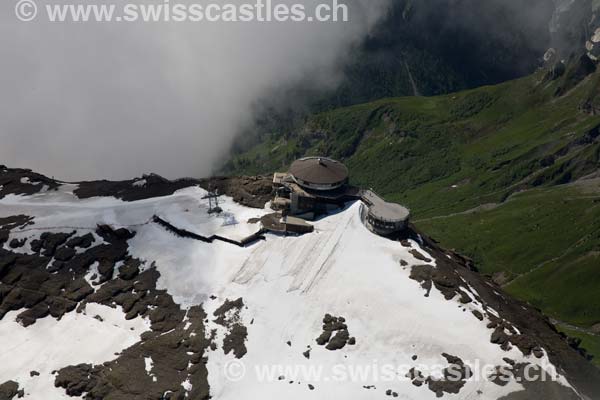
(9, 223)
(446, 282)
(228, 316)
(335, 333)
(83, 242)
(419, 256)
(226, 307)
(49, 242)
(9, 390)
(417, 378)
(454, 377)
(306, 354)
(235, 341)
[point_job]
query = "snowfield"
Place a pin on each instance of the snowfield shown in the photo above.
(48, 345)
(287, 283)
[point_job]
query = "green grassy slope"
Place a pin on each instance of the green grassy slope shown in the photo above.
(489, 142)
(495, 172)
(589, 342)
(547, 240)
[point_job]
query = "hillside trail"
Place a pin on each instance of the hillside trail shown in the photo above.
(575, 328)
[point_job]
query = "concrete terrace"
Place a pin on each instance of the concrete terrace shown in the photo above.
(381, 209)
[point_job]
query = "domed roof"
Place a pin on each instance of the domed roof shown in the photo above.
(319, 171)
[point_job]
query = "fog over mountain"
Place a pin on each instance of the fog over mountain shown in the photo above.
(118, 100)
(111, 100)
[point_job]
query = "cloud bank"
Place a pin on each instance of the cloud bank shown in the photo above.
(90, 101)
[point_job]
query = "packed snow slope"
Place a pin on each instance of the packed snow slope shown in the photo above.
(98, 301)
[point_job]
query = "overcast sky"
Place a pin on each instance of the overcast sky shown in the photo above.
(83, 101)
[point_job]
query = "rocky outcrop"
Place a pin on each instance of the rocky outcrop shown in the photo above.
(228, 316)
(9, 390)
(250, 191)
(23, 182)
(51, 282)
(148, 186)
(335, 335)
(177, 354)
